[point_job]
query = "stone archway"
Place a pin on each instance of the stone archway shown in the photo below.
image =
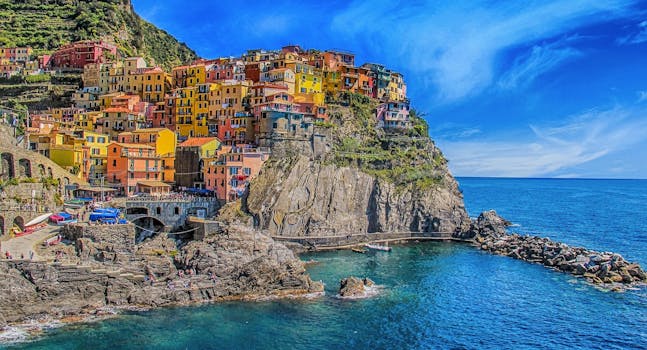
(137, 211)
(147, 227)
(24, 168)
(19, 222)
(7, 170)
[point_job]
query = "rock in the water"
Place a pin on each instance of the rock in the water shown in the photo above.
(353, 287)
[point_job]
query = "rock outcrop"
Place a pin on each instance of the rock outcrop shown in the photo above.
(488, 232)
(239, 264)
(355, 288)
(308, 198)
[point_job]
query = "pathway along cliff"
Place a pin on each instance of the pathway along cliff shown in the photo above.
(349, 177)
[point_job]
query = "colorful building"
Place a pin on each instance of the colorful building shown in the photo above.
(393, 115)
(229, 173)
(77, 55)
(129, 163)
(190, 160)
(164, 142)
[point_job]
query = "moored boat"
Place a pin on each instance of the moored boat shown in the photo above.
(384, 248)
(359, 250)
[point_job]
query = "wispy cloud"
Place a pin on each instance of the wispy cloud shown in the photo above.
(539, 60)
(551, 150)
(642, 95)
(636, 38)
(456, 45)
(453, 131)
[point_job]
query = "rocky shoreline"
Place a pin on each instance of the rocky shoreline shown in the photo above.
(109, 272)
(606, 269)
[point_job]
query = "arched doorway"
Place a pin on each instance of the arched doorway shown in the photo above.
(147, 227)
(7, 170)
(24, 168)
(41, 170)
(19, 222)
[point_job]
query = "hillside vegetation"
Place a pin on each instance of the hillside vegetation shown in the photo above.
(403, 157)
(47, 24)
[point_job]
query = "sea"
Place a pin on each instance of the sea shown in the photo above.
(431, 295)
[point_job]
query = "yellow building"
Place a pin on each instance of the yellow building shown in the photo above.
(228, 98)
(397, 89)
(331, 82)
(189, 76)
(94, 165)
(308, 84)
(163, 140)
(67, 151)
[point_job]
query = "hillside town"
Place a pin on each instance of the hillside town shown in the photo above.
(205, 127)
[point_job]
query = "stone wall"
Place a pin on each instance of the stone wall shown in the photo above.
(118, 238)
(172, 213)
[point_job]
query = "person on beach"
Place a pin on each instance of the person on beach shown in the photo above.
(31, 255)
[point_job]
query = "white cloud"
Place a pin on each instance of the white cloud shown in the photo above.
(455, 46)
(539, 60)
(635, 38)
(553, 150)
(451, 130)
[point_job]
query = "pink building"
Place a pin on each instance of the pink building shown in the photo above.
(78, 54)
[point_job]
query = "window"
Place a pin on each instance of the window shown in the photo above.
(114, 150)
(158, 211)
(247, 171)
(176, 211)
(233, 171)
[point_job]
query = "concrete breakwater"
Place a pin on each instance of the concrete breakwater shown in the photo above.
(489, 233)
(340, 241)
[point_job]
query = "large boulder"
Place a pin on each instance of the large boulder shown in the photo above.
(489, 223)
(354, 287)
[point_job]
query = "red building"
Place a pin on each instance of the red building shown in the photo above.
(78, 54)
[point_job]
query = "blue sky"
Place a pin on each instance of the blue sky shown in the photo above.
(517, 89)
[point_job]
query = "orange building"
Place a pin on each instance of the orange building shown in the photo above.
(129, 163)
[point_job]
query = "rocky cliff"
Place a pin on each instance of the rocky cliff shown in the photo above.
(103, 268)
(356, 178)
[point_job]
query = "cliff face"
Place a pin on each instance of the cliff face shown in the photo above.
(359, 180)
(310, 198)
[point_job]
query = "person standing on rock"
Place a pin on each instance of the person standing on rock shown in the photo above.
(31, 255)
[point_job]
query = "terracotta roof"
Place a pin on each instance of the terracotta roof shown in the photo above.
(153, 183)
(196, 141)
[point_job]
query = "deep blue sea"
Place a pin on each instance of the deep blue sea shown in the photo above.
(435, 295)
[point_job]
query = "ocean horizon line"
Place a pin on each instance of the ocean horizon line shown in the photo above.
(548, 178)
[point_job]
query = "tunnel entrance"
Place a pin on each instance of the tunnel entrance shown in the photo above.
(147, 227)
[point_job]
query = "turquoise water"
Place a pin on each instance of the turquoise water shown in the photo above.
(435, 295)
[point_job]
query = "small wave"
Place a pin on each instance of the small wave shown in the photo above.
(13, 335)
(368, 293)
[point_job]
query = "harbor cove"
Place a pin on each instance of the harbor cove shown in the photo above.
(323, 175)
(432, 295)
